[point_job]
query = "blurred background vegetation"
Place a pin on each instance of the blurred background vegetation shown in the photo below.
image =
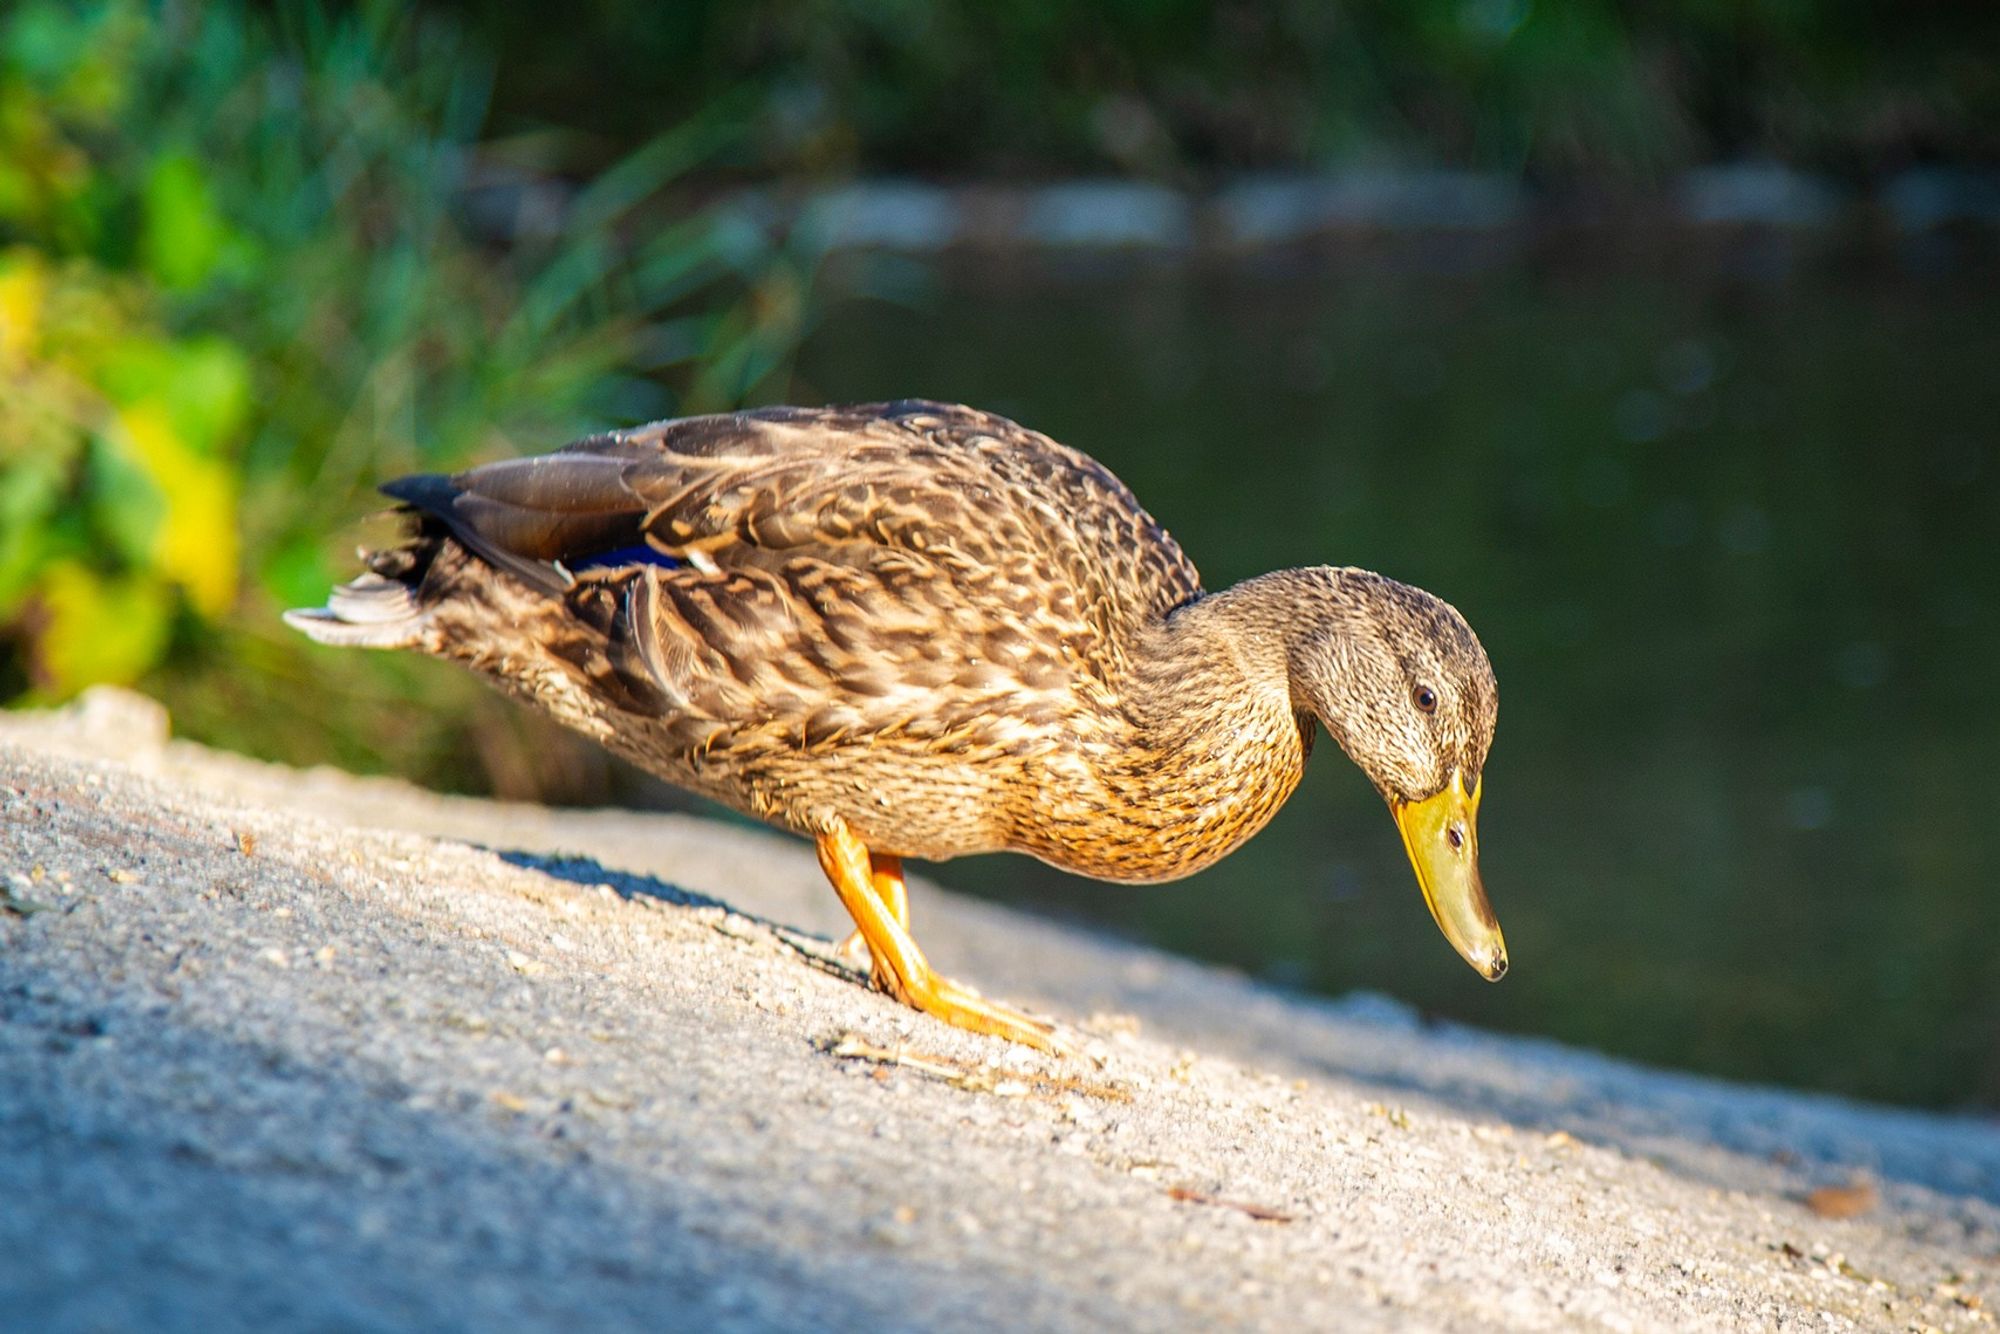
(238, 289)
(1722, 505)
(1589, 89)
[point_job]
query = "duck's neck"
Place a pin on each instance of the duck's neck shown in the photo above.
(1221, 736)
(1237, 649)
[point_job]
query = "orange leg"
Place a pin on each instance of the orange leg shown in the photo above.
(900, 968)
(885, 874)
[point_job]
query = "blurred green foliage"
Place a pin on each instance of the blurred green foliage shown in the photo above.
(1581, 88)
(238, 289)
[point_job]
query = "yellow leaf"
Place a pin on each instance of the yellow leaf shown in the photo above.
(196, 544)
(93, 629)
(24, 286)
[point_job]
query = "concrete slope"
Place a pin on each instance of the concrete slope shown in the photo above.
(286, 1050)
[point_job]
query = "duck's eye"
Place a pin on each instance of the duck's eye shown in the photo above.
(1427, 699)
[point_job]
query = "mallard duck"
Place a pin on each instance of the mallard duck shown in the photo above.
(919, 630)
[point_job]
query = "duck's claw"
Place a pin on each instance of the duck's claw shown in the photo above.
(963, 1007)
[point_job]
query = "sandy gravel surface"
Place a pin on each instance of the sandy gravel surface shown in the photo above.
(286, 1050)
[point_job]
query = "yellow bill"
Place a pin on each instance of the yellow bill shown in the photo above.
(1441, 834)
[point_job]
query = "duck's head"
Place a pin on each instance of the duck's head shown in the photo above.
(1399, 680)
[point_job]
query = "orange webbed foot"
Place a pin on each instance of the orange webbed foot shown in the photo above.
(872, 889)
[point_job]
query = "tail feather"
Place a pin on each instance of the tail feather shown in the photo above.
(369, 612)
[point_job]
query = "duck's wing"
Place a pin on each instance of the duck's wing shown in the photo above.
(909, 570)
(1004, 516)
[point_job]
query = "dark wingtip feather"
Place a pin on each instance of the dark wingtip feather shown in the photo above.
(431, 492)
(446, 500)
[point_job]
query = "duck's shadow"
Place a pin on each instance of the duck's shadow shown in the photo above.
(632, 887)
(588, 871)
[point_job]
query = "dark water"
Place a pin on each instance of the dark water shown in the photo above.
(1729, 526)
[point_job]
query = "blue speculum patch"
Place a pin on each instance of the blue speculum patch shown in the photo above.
(638, 554)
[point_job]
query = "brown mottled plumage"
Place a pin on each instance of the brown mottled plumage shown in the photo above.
(921, 630)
